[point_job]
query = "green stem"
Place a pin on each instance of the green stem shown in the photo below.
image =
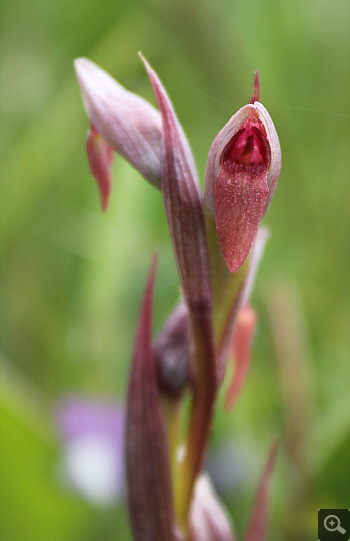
(172, 411)
(201, 415)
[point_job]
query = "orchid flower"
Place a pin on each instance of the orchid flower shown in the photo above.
(243, 167)
(217, 245)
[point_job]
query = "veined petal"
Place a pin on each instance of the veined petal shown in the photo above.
(146, 452)
(127, 122)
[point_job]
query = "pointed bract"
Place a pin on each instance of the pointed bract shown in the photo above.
(127, 122)
(257, 529)
(182, 200)
(100, 156)
(243, 167)
(146, 453)
(256, 92)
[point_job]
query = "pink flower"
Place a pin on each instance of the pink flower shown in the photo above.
(243, 167)
(243, 163)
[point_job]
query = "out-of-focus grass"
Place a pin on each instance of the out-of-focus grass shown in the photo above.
(71, 278)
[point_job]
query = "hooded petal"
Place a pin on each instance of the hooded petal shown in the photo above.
(128, 123)
(243, 166)
(215, 153)
(146, 452)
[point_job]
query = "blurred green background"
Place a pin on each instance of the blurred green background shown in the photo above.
(72, 277)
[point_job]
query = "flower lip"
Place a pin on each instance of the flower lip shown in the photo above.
(243, 167)
(241, 190)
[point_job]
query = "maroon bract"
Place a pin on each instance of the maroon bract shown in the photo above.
(146, 452)
(183, 205)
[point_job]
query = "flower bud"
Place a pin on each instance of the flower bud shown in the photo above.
(127, 123)
(172, 353)
(243, 166)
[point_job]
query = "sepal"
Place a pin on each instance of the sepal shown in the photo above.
(127, 122)
(182, 199)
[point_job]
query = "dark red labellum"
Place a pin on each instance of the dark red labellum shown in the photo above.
(241, 190)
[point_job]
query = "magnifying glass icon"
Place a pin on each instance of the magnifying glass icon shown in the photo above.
(332, 524)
